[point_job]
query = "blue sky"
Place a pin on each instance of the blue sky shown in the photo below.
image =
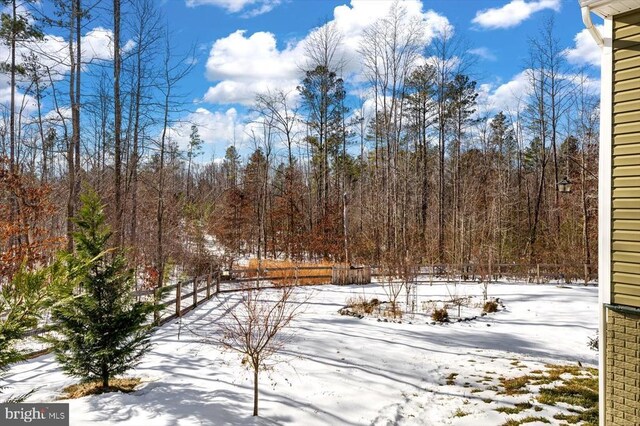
(505, 49)
(246, 45)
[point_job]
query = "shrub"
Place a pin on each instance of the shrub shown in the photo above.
(360, 305)
(490, 307)
(393, 311)
(440, 315)
(593, 342)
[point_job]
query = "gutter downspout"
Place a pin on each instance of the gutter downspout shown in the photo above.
(586, 19)
(604, 249)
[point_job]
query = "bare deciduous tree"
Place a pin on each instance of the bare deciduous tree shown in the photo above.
(255, 328)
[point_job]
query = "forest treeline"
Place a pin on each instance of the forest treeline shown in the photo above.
(403, 163)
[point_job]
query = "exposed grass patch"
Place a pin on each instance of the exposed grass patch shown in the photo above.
(451, 379)
(95, 388)
(517, 408)
(515, 385)
(528, 419)
(507, 410)
(588, 417)
(476, 390)
(554, 371)
(460, 413)
(577, 391)
(572, 386)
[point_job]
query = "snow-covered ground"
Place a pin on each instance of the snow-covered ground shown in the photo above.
(341, 370)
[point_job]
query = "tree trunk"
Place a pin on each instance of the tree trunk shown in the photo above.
(105, 376)
(255, 391)
(72, 151)
(117, 118)
(12, 118)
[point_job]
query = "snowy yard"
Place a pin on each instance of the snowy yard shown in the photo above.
(341, 370)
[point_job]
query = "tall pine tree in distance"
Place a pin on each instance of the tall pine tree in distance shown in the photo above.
(102, 331)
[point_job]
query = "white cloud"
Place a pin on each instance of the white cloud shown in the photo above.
(218, 128)
(512, 13)
(586, 51)
(238, 92)
(484, 53)
(513, 95)
(26, 103)
(241, 64)
(259, 49)
(250, 8)
(55, 115)
(97, 45)
(245, 66)
(509, 96)
(53, 51)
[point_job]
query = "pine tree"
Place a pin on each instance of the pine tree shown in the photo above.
(21, 303)
(102, 331)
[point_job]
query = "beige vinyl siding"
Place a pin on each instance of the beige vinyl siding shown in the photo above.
(625, 244)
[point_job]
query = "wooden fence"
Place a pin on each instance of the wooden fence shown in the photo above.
(347, 274)
(177, 299)
(531, 273)
(186, 296)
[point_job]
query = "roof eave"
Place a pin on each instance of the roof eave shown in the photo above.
(608, 8)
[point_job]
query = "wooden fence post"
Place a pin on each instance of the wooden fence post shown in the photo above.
(178, 298)
(195, 291)
(537, 273)
(218, 282)
(209, 286)
(156, 302)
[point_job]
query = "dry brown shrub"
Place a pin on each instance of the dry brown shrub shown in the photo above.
(393, 311)
(360, 305)
(490, 306)
(440, 315)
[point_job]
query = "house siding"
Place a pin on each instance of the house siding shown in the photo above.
(625, 215)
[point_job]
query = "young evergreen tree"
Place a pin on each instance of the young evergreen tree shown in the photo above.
(21, 303)
(102, 331)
